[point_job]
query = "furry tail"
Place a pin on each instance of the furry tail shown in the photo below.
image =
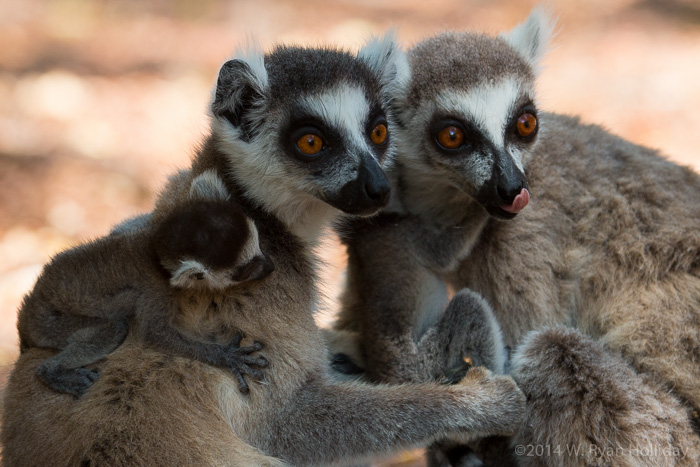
(586, 406)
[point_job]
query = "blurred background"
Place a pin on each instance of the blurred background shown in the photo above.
(101, 100)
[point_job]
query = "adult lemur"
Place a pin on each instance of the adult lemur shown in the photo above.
(86, 297)
(298, 136)
(609, 245)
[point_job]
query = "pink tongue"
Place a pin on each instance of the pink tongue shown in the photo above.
(519, 202)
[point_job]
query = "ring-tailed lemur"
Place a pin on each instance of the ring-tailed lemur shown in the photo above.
(86, 297)
(607, 244)
(298, 136)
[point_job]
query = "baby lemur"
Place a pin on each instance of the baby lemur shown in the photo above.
(298, 135)
(88, 298)
(607, 244)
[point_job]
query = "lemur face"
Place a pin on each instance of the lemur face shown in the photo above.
(468, 116)
(211, 245)
(302, 124)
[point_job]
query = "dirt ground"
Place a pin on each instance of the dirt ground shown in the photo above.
(100, 101)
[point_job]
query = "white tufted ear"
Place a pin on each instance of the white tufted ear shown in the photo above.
(386, 59)
(240, 90)
(531, 37)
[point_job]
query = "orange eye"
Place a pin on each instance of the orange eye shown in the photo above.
(379, 134)
(450, 137)
(526, 125)
(310, 144)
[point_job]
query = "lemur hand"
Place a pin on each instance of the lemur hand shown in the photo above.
(497, 397)
(240, 362)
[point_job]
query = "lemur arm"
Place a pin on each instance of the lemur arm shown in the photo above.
(332, 422)
(159, 334)
(398, 308)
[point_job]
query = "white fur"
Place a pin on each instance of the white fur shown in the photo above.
(186, 276)
(276, 186)
(251, 248)
(386, 59)
(531, 37)
(253, 55)
(490, 107)
(344, 107)
(208, 186)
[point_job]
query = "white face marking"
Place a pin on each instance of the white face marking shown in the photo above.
(489, 106)
(344, 107)
(287, 190)
(193, 274)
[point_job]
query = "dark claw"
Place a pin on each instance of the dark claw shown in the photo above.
(251, 348)
(242, 385)
(92, 375)
(253, 373)
(256, 361)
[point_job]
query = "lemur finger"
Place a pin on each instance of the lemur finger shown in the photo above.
(242, 385)
(256, 361)
(252, 372)
(92, 375)
(255, 346)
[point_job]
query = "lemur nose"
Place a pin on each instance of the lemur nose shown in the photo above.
(508, 194)
(377, 191)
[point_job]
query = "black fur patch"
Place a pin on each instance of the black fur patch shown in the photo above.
(210, 232)
(342, 363)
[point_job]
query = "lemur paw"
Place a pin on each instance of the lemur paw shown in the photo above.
(74, 381)
(240, 362)
(497, 397)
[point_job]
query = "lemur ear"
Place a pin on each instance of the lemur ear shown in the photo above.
(386, 59)
(190, 274)
(240, 89)
(209, 187)
(531, 37)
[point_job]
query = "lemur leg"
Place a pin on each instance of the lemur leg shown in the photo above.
(63, 371)
(657, 328)
(331, 422)
(587, 406)
(467, 332)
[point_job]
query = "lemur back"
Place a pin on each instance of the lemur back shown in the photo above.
(88, 297)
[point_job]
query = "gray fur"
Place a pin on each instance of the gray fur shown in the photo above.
(609, 245)
(590, 402)
(301, 415)
(131, 224)
(86, 298)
